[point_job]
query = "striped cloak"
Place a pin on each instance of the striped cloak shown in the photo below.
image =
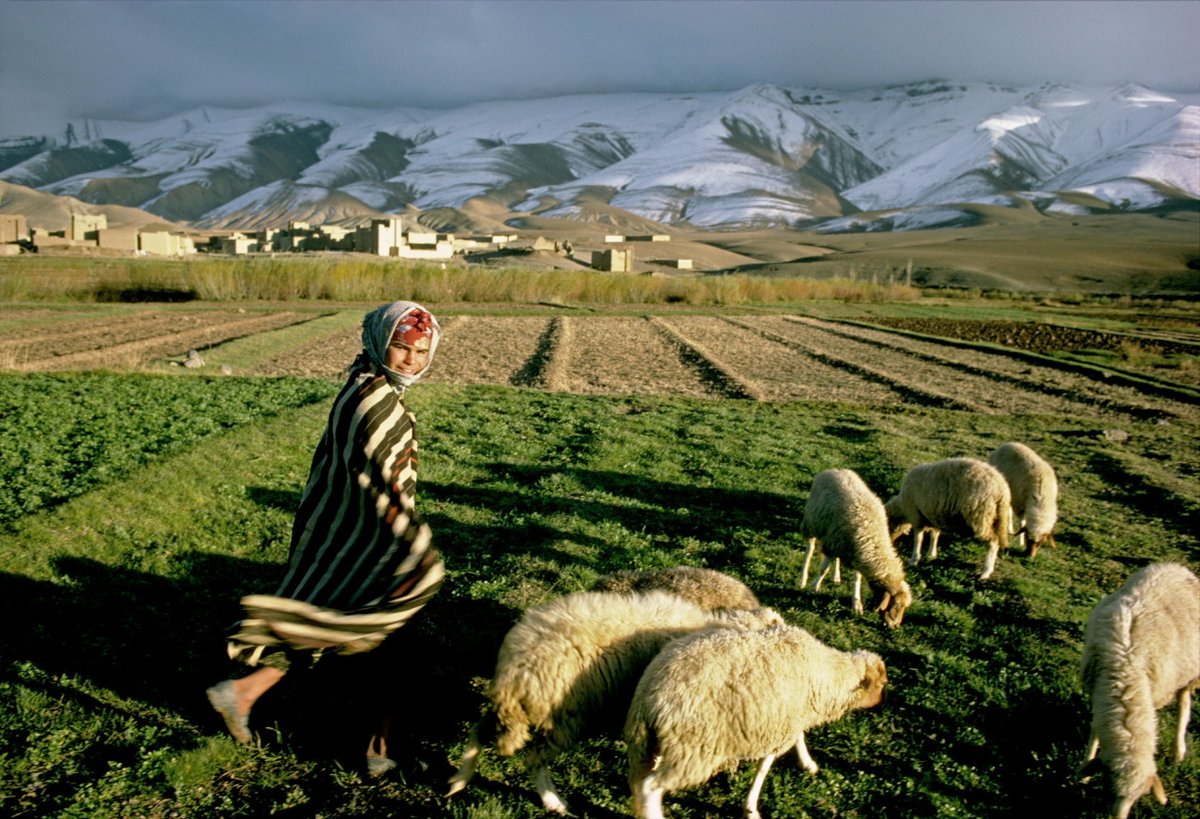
(362, 562)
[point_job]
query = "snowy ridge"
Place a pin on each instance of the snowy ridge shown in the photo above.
(762, 156)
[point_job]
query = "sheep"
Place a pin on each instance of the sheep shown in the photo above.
(714, 698)
(849, 521)
(707, 588)
(1034, 491)
(948, 493)
(571, 665)
(1141, 651)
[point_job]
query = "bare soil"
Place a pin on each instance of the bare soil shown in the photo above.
(766, 358)
(1039, 337)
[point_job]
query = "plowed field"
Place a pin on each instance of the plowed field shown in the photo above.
(772, 358)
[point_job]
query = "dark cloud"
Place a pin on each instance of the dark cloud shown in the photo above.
(139, 60)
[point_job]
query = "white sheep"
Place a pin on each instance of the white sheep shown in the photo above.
(707, 588)
(849, 522)
(1141, 651)
(951, 493)
(712, 699)
(1034, 489)
(570, 666)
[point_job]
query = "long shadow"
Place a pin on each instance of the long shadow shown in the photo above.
(707, 509)
(160, 641)
(1138, 492)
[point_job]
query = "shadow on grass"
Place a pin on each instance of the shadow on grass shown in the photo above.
(160, 641)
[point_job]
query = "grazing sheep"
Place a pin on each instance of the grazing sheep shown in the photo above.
(707, 588)
(1034, 491)
(849, 521)
(571, 665)
(712, 699)
(950, 493)
(1141, 651)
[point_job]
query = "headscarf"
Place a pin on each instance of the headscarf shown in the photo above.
(411, 322)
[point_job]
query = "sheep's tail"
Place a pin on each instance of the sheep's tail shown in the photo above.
(1002, 522)
(641, 747)
(1127, 711)
(485, 727)
(513, 726)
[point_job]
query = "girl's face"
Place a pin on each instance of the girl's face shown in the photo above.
(406, 359)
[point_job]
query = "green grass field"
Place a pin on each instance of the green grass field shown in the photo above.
(138, 509)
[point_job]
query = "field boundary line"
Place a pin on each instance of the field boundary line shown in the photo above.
(1142, 413)
(536, 369)
(142, 345)
(904, 391)
(711, 369)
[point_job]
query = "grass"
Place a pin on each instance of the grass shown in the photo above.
(127, 577)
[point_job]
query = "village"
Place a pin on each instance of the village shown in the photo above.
(390, 237)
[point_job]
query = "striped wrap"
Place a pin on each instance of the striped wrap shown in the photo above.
(362, 561)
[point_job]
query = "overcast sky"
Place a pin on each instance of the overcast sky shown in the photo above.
(143, 60)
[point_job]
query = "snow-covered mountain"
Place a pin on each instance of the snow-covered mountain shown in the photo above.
(887, 158)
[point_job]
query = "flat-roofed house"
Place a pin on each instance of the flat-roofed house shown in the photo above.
(13, 228)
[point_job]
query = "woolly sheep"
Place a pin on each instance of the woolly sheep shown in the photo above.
(1034, 491)
(707, 588)
(712, 699)
(571, 665)
(850, 523)
(1141, 651)
(949, 493)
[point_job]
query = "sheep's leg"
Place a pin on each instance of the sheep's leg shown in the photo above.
(751, 811)
(989, 563)
(812, 547)
(806, 761)
(1093, 747)
(824, 570)
(858, 603)
(647, 798)
(837, 570)
(934, 534)
(1185, 714)
(918, 536)
(466, 768)
(544, 785)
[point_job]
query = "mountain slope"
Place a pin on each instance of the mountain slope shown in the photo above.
(762, 156)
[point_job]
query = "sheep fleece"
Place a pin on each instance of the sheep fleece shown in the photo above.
(1141, 647)
(707, 588)
(849, 522)
(767, 686)
(566, 663)
(1032, 483)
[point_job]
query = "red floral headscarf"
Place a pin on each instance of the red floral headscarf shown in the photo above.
(406, 320)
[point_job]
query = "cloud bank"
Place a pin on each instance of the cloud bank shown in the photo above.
(140, 60)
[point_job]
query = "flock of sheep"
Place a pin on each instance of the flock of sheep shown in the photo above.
(702, 677)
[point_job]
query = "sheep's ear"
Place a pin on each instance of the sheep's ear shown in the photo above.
(1050, 540)
(885, 602)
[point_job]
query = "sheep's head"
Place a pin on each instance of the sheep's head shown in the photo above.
(874, 681)
(1037, 543)
(894, 605)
